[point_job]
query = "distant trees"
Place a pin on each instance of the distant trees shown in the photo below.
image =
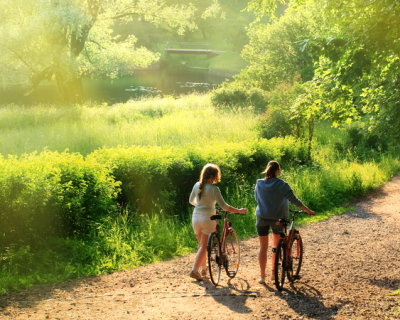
(276, 53)
(66, 39)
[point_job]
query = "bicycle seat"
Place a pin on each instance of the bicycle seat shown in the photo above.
(284, 221)
(216, 217)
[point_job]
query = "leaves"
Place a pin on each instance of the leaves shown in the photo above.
(66, 39)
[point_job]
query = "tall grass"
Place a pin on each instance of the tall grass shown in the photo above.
(187, 120)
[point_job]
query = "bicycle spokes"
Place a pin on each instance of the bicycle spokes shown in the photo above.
(296, 258)
(214, 258)
(232, 254)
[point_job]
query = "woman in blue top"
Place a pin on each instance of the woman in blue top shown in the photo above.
(273, 196)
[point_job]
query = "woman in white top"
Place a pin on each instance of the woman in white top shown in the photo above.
(204, 196)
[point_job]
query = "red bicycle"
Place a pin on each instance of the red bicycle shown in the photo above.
(288, 253)
(223, 251)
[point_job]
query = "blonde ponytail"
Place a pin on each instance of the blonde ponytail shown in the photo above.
(208, 171)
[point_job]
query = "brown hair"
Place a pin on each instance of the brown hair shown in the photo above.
(271, 169)
(208, 171)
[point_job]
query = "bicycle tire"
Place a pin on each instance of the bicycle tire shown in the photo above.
(232, 254)
(214, 257)
(296, 258)
(280, 264)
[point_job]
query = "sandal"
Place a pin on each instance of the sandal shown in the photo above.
(261, 280)
(196, 275)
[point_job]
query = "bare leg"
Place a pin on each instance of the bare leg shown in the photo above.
(275, 240)
(200, 259)
(262, 255)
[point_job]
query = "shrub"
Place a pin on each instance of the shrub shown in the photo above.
(357, 136)
(279, 120)
(52, 194)
(236, 94)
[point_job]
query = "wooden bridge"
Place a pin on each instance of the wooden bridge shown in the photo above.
(205, 50)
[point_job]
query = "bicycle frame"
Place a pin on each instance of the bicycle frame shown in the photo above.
(227, 225)
(288, 238)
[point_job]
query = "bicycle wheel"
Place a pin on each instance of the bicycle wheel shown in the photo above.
(214, 254)
(280, 264)
(232, 254)
(296, 258)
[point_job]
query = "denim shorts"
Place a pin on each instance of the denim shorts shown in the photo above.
(263, 226)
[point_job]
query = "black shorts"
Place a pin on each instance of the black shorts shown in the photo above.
(263, 226)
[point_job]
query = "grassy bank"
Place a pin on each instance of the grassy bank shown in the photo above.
(190, 120)
(116, 208)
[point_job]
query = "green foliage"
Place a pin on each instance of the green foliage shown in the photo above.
(357, 137)
(275, 53)
(359, 62)
(52, 194)
(67, 39)
(280, 120)
(238, 94)
(158, 179)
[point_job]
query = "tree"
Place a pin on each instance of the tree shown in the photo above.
(66, 39)
(275, 53)
(359, 59)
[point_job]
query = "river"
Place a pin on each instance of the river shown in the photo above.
(163, 81)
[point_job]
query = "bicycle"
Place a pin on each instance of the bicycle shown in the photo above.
(223, 251)
(285, 261)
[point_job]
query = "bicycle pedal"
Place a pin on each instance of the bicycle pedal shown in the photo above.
(296, 277)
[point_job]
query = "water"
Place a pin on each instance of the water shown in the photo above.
(161, 82)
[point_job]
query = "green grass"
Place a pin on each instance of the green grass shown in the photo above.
(188, 120)
(131, 238)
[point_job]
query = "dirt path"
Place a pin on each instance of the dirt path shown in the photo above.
(352, 263)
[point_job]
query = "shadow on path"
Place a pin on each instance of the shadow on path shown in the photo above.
(308, 301)
(237, 289)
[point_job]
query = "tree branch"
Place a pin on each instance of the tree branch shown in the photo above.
(45, 74)
(123, 15)
(19, 57)
(96, 43)
(87, 55)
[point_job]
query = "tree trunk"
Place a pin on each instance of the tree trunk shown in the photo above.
(310, 135)
(203, 32)
(71, 90)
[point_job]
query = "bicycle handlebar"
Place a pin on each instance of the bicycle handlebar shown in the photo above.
(297, 211)
(218, 211)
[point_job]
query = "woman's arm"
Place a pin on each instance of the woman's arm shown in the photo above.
(308, 211)
(296, 201)
(235, 210)
(192, 198)
(221, 202)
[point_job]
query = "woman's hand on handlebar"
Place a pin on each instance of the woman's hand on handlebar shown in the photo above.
(310, 212)
(238, 211)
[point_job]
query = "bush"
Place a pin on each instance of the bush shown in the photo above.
(160, 179)
(52, 194)
(236, 94)
(358, 137)
(279, 120)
